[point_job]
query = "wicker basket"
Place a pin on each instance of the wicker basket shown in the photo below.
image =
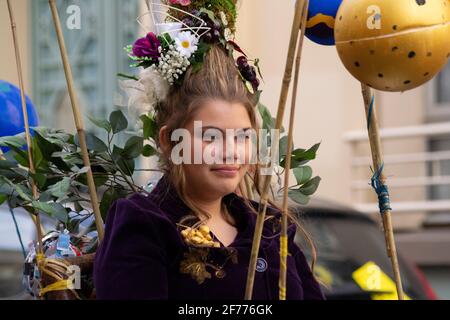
(87, 291)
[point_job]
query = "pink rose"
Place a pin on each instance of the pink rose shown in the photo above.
(184, 3)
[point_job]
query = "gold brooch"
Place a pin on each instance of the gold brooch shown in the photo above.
(195, 263)
(199, 237)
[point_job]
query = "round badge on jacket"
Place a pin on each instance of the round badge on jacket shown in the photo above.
(261, 265)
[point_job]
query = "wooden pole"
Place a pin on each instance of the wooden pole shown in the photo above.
(377, 159)
(298, 17)
(284, 218)
(78, 120)
(35, 216)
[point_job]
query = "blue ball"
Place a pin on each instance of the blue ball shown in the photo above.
(321, 19)
(11, 116)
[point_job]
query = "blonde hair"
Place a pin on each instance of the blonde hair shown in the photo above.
(218, 78)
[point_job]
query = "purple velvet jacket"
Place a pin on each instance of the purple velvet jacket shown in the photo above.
(140, 255)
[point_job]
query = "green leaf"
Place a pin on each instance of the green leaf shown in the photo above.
(133, 147)
(209, 13)
(5, 164)
(199, 56)
(302, 174)
(17, 141)
(45, 196)
(9, 174)
(3, 198)
(19, 155)
(268, 121)
(74, 160)
(5, 187)
(38, 158)
(61, 188)
(127, 76)
(100, 180)
(21, 190)
(118, 121)
(109, 196)
(300, 157)
(126, 165)
(116, 153)
(101, 123)
(48, 149)
(298, 197)
(54, 210)
(40, 179)
(166, 40)
(311, 186)
(284, 147)
(95, 144)
(149, 127)
(23, 173)
(149, 151)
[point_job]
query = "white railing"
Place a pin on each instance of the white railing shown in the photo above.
(425, 130)
(413, 181)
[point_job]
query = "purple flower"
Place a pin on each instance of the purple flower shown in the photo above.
(242, 62)
(255, 84)
(248, 72)
(147, 47)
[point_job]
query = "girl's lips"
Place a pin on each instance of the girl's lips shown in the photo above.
(226, 171)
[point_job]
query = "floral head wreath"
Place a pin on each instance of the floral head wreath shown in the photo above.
(183, 32)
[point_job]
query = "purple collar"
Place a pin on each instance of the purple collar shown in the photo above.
(166, 197)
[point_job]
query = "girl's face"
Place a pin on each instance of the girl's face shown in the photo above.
(220, 149)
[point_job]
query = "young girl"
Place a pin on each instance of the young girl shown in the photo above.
(149, 251)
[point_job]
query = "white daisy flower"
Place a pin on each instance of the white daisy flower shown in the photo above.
(186, 43)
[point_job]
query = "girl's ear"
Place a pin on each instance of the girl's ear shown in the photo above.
(164, 139)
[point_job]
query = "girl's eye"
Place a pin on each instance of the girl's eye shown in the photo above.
(211, 135)
(242, 135)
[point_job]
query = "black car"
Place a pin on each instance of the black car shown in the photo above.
(346, 240)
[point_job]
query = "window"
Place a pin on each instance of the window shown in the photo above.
(95, 52)
(439, 96)
(439, 168)
(443, 88)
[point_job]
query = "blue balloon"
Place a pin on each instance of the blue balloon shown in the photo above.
(11, 116)
(321, 20)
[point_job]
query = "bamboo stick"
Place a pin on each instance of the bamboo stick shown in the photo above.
(78, 120)
(377, 158)
(298, 17)
(35, 216)
(284, 218)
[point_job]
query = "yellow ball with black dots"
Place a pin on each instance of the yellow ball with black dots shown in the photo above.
(393, 45)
